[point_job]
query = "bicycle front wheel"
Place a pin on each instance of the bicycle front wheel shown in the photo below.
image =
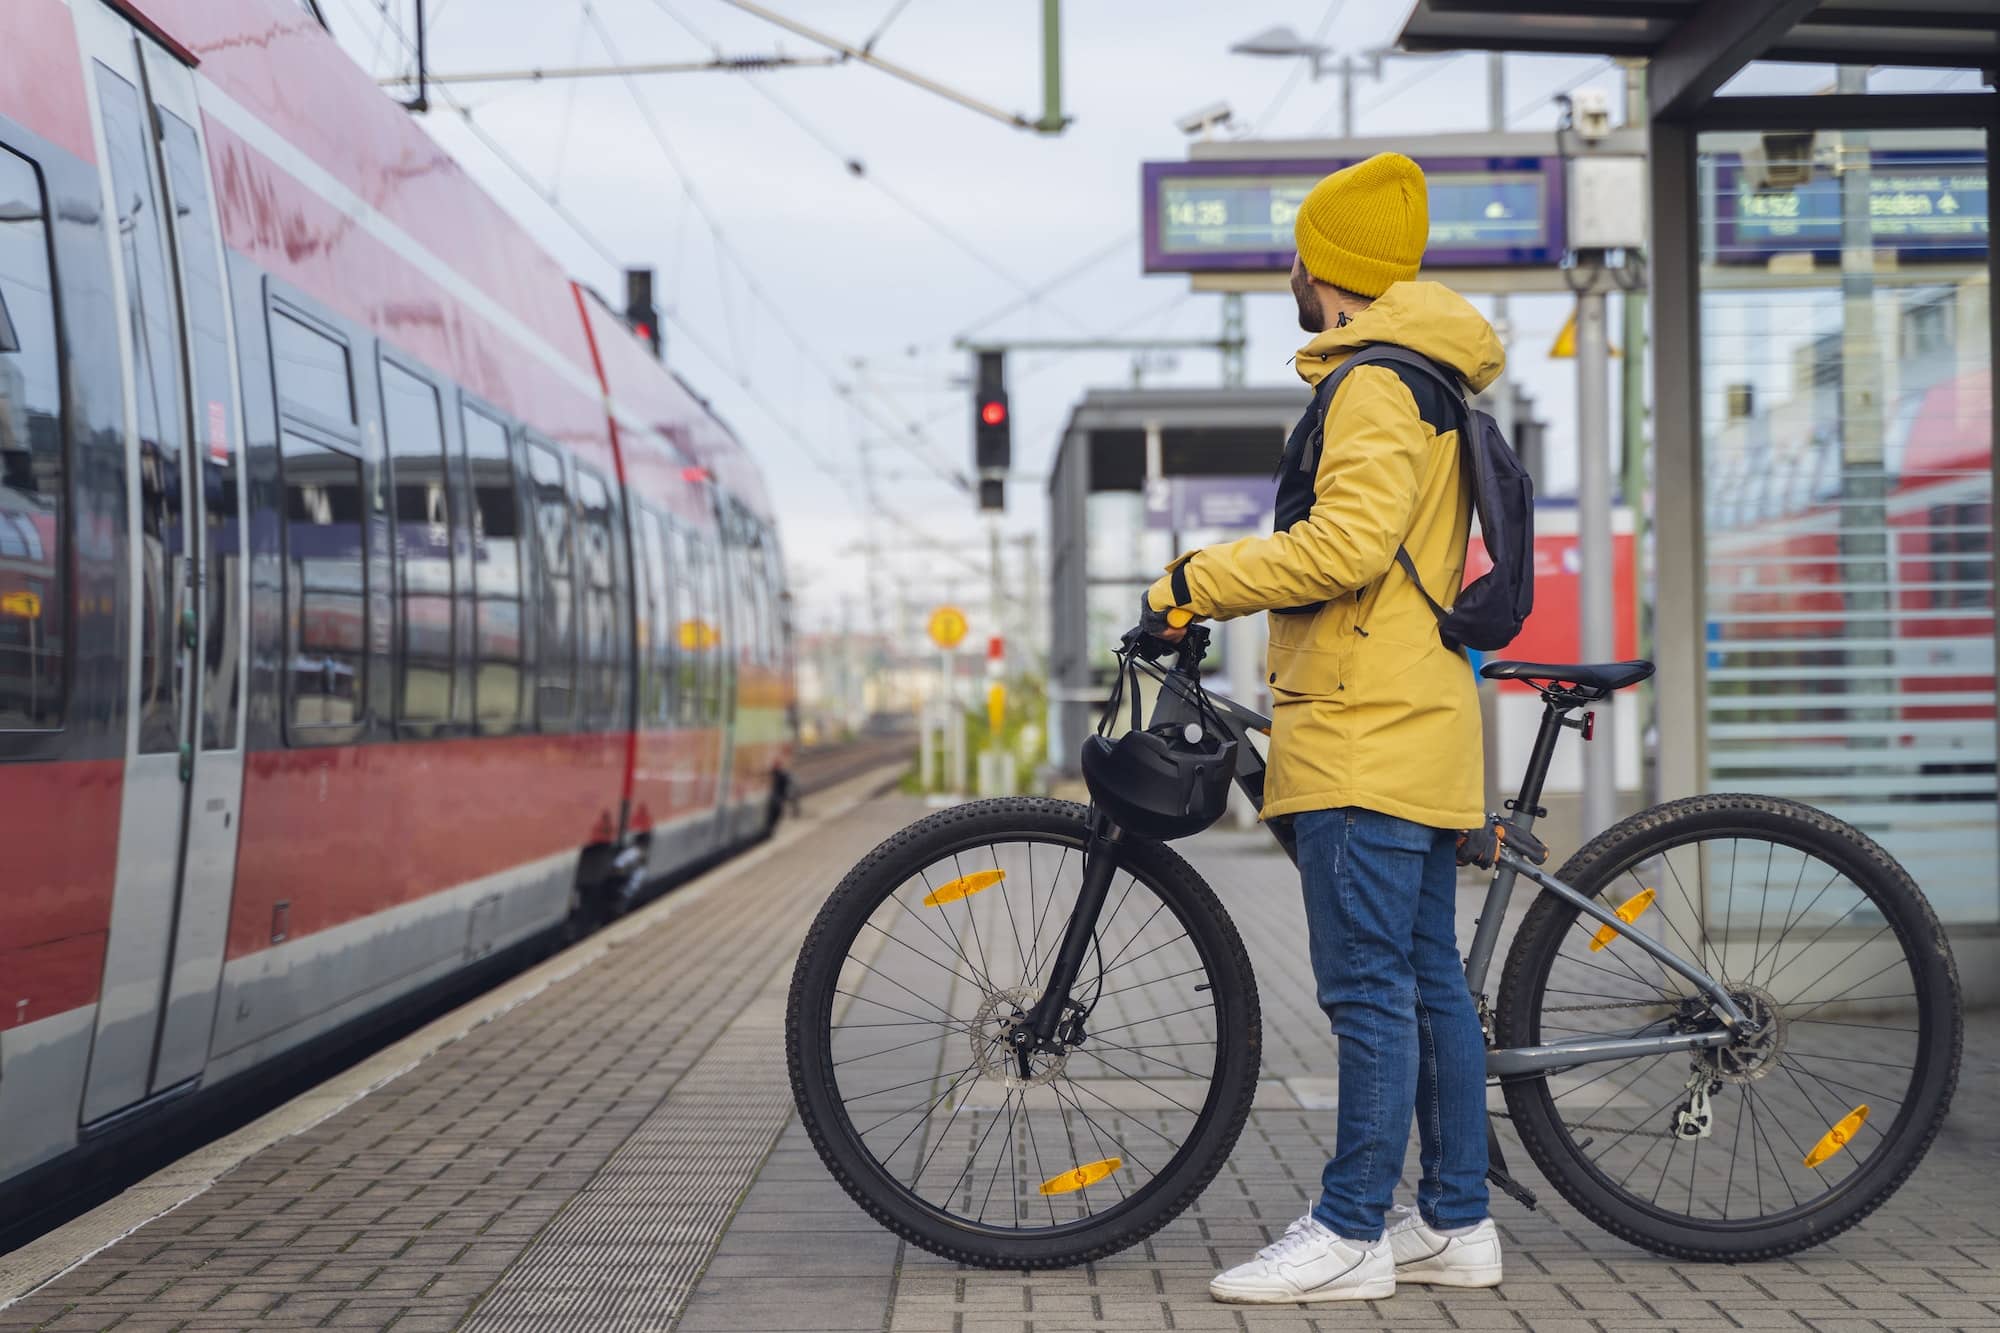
(1778, 1140)
(923, 961)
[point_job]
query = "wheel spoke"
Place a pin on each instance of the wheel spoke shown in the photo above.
(966, 1122)
(1824, 959)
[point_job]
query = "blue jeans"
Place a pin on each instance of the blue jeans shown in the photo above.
(1379, 909)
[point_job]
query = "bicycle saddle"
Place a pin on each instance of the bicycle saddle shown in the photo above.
(1593, 680)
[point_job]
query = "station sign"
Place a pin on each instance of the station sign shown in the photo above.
(1221, 215)
(1191, 504)
(1923, 205)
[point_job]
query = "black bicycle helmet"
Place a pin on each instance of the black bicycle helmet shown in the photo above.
(1163, 782)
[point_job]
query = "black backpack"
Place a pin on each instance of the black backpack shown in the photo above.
(1490, 609)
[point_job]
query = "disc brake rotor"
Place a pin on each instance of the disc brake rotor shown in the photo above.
(1751, 1057)
(993, 1049)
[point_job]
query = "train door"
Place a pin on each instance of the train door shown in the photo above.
(183, 780)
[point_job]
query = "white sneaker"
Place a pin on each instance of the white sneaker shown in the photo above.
(1310, 1263)
(1468, 1259)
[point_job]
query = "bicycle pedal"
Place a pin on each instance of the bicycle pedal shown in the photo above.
(1512, 1188)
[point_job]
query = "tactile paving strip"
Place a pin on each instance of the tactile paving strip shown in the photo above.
(626, 1252)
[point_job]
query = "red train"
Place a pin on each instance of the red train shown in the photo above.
(371, 600)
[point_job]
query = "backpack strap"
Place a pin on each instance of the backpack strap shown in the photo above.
(1394, 354)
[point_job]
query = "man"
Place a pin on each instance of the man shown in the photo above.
(1375, 742)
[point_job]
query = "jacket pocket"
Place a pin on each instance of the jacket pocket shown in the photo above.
(1299, 665)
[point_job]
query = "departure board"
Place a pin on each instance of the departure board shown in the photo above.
(1222, 215)
(1921, 205)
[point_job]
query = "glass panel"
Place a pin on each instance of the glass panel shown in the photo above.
(720, 678)
(689, 601)
(668, 611)
(598, 553)
(423, 545)
(1847, 435)
(34, 601)
(556, 594)
(156, 368)
(1118, 544)
(313, 374)
(496, 574)
(204, 306)
(326, 607)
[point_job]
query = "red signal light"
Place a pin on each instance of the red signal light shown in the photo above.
(993, 412)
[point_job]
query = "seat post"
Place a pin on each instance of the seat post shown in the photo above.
(1528, 804)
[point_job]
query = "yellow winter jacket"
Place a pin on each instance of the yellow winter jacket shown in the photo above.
(1369, 708)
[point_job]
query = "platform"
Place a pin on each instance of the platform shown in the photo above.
(607, 1143)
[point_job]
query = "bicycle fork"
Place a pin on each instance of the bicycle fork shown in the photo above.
(1044, 1022)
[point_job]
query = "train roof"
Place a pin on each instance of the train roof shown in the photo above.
(285, 95)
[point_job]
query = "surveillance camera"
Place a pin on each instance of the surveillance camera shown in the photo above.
(1207, 120)
(1593, 114)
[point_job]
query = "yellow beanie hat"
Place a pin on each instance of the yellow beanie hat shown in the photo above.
(1365, 226)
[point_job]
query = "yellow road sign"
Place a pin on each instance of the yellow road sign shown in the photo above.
(26, 605)
(947, 627)
(1564, 347)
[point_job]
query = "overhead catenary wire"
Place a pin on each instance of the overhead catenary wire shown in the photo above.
(1563, 90)
(716, 232)
(685, 328)
(1431, 69)
(895, 12)
(858, 168)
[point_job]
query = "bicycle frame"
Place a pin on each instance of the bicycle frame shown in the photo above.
(1176, 704)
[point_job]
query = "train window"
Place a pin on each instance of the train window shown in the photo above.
(496, 574)
(597, 557)
(152, 332)
(555, 596)
(684, 572)
(314, 377)
(658, 647)
(422, 546)
(203, 297)
(34, 599)
(723, 641)
(326, 583)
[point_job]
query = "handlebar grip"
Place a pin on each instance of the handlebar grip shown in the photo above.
(1179, 617)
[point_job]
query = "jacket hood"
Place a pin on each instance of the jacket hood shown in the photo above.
(1426, 317)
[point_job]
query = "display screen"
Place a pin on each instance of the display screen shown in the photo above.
(1485, 212)
(1922, 205)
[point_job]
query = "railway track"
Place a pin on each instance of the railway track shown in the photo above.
(821, 766)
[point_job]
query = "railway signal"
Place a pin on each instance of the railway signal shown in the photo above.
(640, 312)
(992, 431)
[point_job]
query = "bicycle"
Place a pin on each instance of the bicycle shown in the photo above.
(1634, 1014)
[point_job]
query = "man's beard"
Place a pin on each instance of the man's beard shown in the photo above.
(1312, 314)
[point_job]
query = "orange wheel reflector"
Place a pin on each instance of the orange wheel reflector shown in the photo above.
(1839, 1136)
(1628, 912)
(1082, 1177)
(963, 887)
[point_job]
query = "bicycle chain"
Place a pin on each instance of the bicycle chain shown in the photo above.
(1629, 1130)
(1625, 1130)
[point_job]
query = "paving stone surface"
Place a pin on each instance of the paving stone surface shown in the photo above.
(619, 1152)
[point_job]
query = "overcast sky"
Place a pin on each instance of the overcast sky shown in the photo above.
(817, 306)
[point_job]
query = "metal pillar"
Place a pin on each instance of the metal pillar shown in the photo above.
(1500, 394)
(1680, 688)
(1596, 573)
(1632, 469)
(1052, 120)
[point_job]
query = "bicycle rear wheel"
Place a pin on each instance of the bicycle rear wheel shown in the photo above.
(1774, 1143)
(919, 965)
